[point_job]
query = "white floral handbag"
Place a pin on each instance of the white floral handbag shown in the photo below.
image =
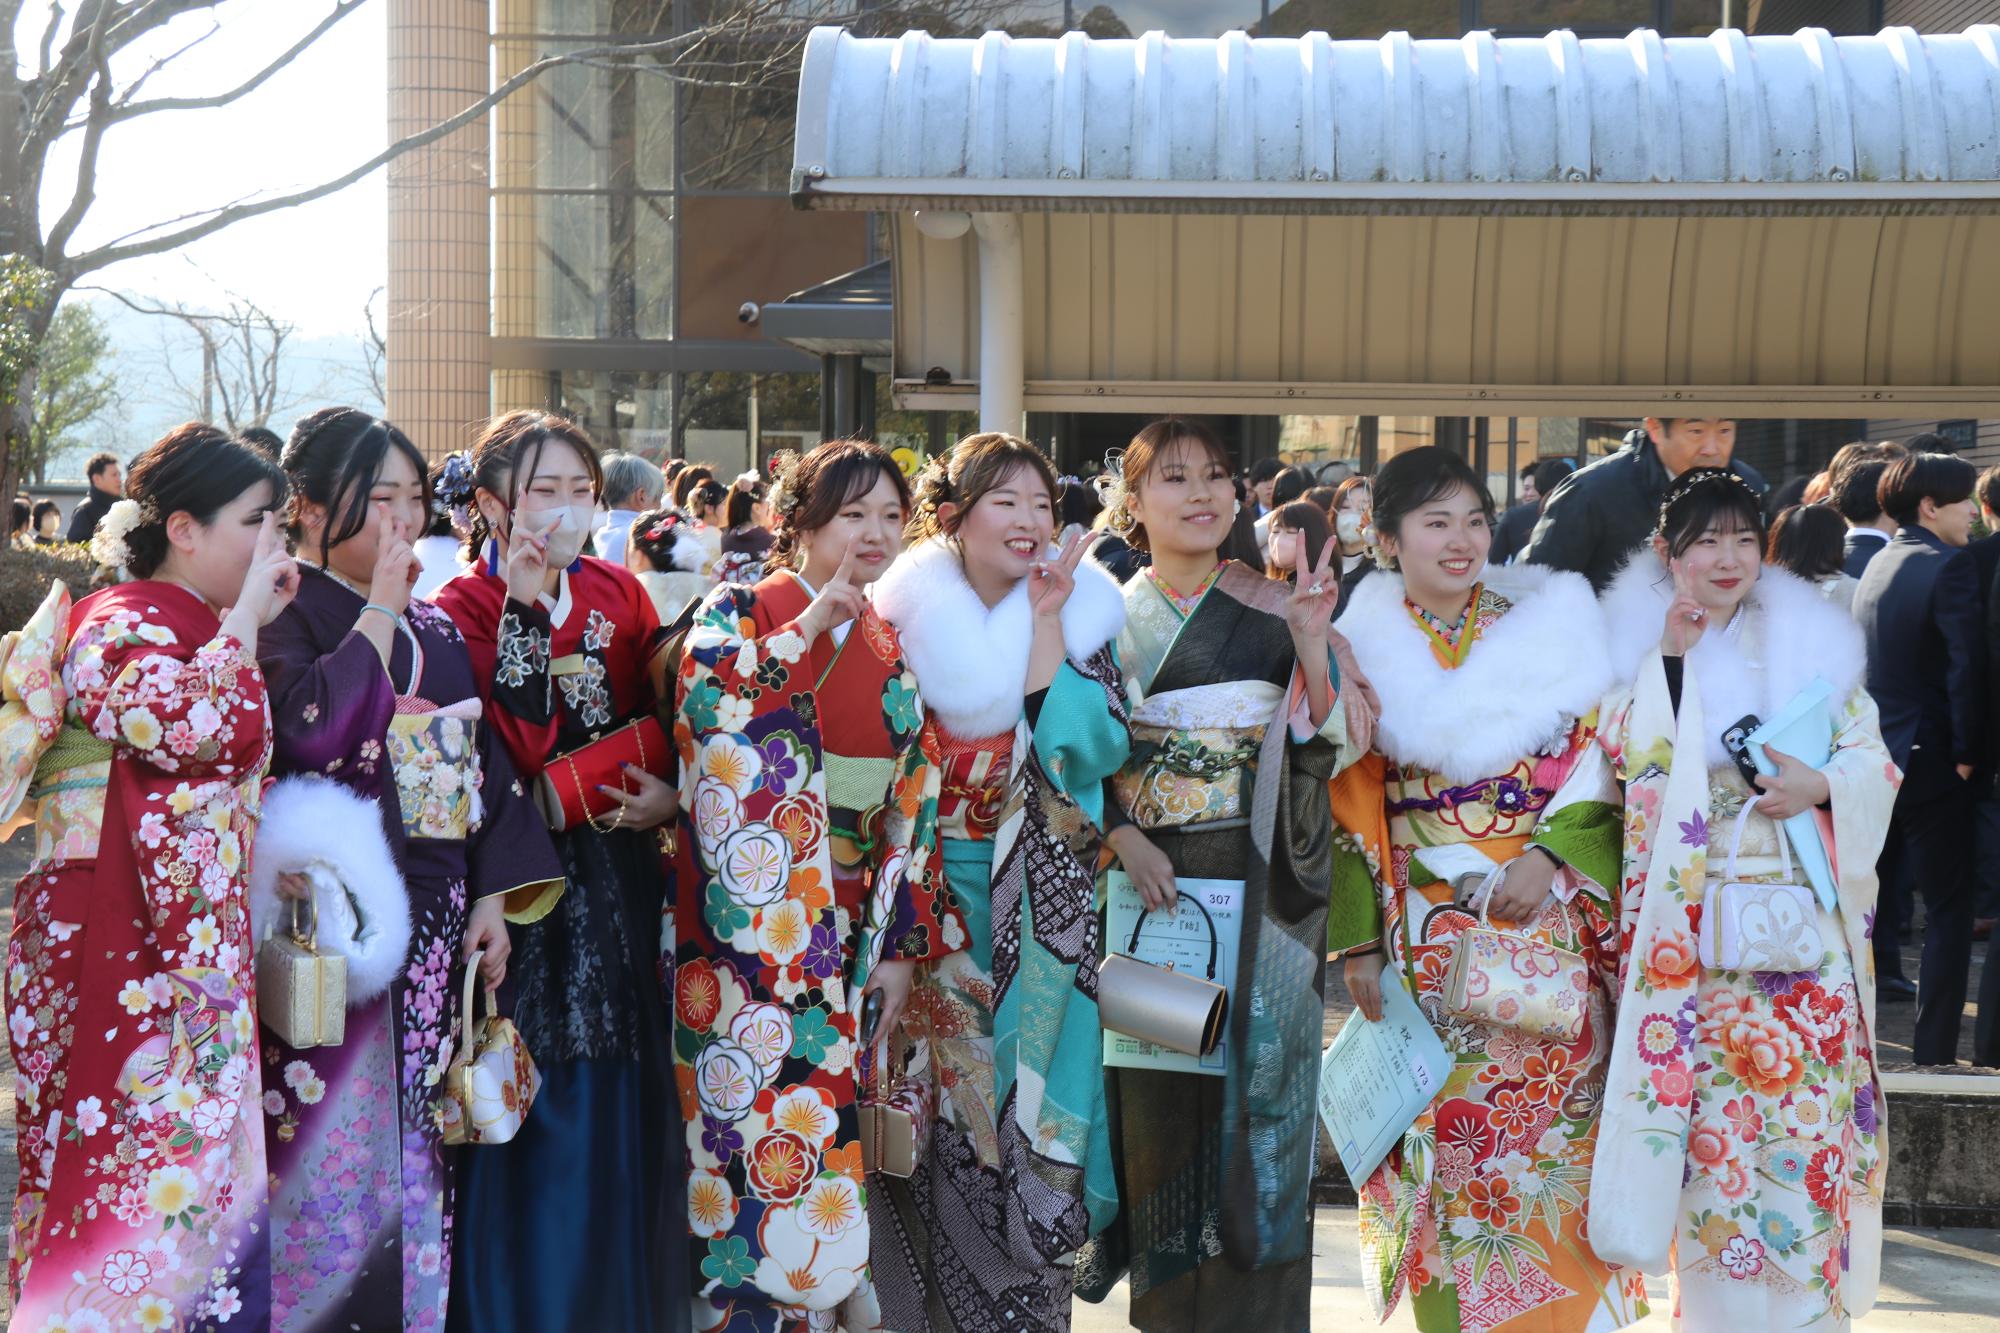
(1759, 927)
(492, 1080)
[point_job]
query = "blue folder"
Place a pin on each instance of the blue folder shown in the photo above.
(1803, 729)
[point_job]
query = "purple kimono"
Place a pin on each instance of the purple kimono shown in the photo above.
(361, 1183)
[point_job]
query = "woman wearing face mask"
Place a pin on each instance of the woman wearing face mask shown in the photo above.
(812, 804)
(131, 962)
(1355, 532)
(375, 691)
(576, 1222)
(1743, 1121)
(1010, 638)
(1485, 779)
(1241, 717)
(1297, 526)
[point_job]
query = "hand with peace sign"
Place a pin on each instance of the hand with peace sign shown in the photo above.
(1053, 578)
(1315, 595)
(837, 603)
(1686, 617)
(527, 560)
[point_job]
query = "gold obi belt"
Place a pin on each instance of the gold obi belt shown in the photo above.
(973, 785)
(1194, 754)
(857, 792)
(434, 753)
(68, 791)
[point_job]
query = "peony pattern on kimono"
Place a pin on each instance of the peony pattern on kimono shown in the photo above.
(764, 1013)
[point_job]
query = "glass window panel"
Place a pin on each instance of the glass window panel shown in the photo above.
(583, 18)
(716, 414)
(1176, 18)
(625, 410)
(652, 267)
(1587, 17)
(1363, 18)
(738, 138)
(572, 256)
(1699, 18)
(967, 18)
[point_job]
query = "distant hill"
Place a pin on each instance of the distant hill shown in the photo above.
(158, 366)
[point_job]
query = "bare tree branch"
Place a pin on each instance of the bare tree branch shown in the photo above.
(93, 140)
(71, 266)
(128, 109)
(48, 33)
(375, 351)
(132, 91)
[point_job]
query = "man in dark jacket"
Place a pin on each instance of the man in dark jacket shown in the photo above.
(1856, 496)
(107, 487)
(1919, 607)
(1600, 515)
(1538, 480)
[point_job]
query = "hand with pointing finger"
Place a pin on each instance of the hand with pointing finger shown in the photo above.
(837, 603)
(527, 563)
(395, 562)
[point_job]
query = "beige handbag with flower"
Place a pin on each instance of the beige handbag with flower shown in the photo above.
(492, 1080)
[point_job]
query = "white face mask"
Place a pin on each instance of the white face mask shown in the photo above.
(572, 525)
(1348, 525)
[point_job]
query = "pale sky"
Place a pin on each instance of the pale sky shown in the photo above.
(314, 265)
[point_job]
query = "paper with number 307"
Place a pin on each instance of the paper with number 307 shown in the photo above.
(1376, 1078)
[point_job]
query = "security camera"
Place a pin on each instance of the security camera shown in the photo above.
(749, 312)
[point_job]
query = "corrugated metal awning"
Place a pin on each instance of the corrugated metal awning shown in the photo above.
(1763, 226)
(847, 315)
(1727, 123)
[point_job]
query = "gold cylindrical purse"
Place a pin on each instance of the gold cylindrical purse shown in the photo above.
(301, 992)
(1177, 1010)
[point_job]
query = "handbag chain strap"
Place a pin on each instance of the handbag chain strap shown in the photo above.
(639, 738)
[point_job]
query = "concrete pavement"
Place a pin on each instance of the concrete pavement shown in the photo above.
(1944, 1281)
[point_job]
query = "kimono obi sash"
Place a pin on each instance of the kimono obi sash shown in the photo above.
(972, 785)
(434, 753)
(1426, 809)
(69, 792)
(857, 789)
(1194, 754)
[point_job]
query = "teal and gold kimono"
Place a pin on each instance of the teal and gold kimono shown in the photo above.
(1229, 778)
(1016, 1173)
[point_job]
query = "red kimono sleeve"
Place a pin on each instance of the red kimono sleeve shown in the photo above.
(510, 647)
(200, 716)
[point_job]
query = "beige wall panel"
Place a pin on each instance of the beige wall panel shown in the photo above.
(1526, 307)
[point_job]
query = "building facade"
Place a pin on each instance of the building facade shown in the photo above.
(606, 243)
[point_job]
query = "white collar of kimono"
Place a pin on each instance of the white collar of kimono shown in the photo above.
(1789, 633)
(1521, 687)
(971, 661)
(840, 630)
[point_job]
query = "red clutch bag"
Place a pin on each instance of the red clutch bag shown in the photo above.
(567, 791)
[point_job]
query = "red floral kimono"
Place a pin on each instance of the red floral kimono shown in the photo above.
(813, 808)
(130, 981)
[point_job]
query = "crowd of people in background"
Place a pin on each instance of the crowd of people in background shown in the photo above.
(904, 720)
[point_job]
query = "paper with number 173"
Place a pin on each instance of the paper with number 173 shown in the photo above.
(1376, 1078)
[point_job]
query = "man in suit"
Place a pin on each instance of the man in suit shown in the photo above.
(1856, 496)
(1920, 610)
(107, 487)
(1984, 556)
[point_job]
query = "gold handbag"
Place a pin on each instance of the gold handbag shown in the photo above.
(1173, 1009)
(1507, 980)
(301, 992)
(894, 1120)
(492, 1080)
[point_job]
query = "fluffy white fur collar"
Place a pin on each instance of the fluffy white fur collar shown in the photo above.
(1790, 633)
(1526, 680)
(971, 663)
(315, 827)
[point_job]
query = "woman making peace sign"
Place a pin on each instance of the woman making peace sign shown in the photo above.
(1011, 643)
(811, 804)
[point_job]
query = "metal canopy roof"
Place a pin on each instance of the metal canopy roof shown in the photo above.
(847, 315)
(1810, 123)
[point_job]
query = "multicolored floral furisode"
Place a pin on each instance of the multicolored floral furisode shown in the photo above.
(812, 808)
(1743, 1117)
(142, 1188)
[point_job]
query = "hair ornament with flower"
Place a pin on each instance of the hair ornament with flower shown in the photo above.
(1112, 493)
(108, 544)
(456, 484)
(781, 498)
(1693, 480)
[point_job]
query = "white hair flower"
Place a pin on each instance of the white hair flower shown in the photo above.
(107, 544)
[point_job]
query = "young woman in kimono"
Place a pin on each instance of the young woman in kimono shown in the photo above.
(375, 692)
(1743, 1136)
(813, 881)
(142, 1198)
(1239, 719)
(1484, 762)
(1011, 642)
(575, 1222)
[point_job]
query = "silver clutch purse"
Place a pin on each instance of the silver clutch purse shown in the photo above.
(301, 992)
(1177, 1010)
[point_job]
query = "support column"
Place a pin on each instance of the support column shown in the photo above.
(438, 364)
(1002, 302)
